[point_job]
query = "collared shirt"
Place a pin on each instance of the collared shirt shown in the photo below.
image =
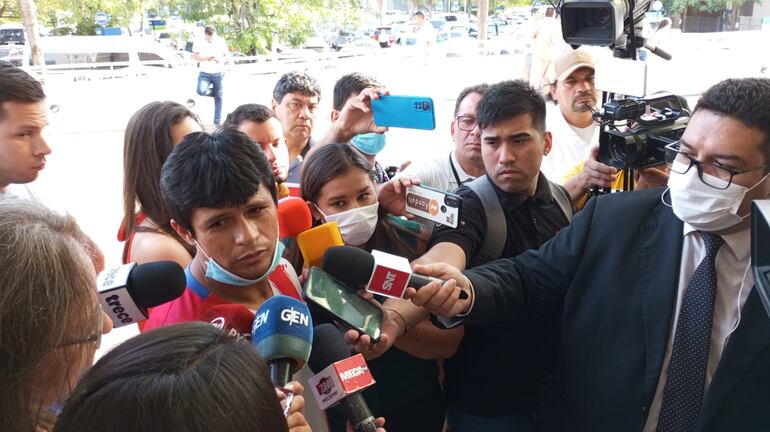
(439, 173)
(734, 283)
(295, 167)
(570, 145)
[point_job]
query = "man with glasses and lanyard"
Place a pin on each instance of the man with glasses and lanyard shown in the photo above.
(463, 164)
(662, 328)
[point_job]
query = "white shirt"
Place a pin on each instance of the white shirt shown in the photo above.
(437, 173)
(216, 48)
(734, 283)
(570, 145)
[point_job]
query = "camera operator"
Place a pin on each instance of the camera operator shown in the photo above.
(573, 161)
(654, 284)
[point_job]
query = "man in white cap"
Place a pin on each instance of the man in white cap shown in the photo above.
(572, 160)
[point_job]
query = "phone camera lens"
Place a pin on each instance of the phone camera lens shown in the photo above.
(443, 209)
(426, 106)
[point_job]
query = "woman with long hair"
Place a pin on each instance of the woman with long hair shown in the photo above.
(338, 185)
(151, 134)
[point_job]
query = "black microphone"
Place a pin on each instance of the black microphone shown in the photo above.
(331, 352)
(355, 267)
(127, 291)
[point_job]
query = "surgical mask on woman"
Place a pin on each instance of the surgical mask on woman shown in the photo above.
(356, 225)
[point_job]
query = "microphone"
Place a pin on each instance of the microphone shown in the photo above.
(382, 273)
(283, 335)
(314, 242)
(234, 320)
(340, 377)
(127, 291)
(293, 217)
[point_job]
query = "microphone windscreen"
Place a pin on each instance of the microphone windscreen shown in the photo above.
(314, 242)
(283, 329)
(293, 217)
(228, 317)
(329, 347)
(350, 265)
(152, 284)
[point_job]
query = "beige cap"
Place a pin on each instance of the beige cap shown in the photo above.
(571, 60)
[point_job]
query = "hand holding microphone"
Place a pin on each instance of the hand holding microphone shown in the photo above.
(442, 299)
(382, 273)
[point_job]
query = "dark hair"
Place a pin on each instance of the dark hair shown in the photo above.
(296, 82)
(745, 99)
(18, 86)
(214, 383)
(419, 13)
(508, 99)
(209, 30)
(146, 145)
(350, 85)
(478, 88)
(328, 163)
(248, 112)
(550, 11)
(215, 170)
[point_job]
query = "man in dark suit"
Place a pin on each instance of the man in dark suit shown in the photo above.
(662, 329)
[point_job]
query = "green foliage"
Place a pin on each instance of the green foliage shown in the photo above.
(249, 26)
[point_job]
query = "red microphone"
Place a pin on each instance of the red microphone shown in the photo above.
(293, 217)
(235, 320)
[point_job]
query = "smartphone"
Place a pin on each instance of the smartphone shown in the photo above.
(433, 204)
(341, 304)
(410, 112)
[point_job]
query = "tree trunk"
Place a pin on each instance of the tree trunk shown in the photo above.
(32, 29)
(481, 23)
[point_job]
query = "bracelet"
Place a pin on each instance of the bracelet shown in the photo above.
(406, 323)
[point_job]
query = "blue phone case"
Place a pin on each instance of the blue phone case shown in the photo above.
(411, 112)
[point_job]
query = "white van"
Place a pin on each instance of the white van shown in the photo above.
(110, 77)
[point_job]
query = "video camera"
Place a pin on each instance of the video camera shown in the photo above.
(653, 123)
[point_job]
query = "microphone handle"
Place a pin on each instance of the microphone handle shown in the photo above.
(358, 413)
(418, 281)
(280, 372)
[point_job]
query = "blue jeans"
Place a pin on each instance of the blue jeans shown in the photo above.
(211, 85)
(458, 421)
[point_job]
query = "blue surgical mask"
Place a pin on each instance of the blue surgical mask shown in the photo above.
(216, 272)
(369, 144)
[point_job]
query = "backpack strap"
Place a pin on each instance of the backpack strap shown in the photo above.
(497, 231)
(559, 194)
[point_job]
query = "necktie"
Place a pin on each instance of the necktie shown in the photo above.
(686, 380)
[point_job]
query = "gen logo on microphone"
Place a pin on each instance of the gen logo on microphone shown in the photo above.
(292, 317)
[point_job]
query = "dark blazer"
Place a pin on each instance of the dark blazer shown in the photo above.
(616, 267)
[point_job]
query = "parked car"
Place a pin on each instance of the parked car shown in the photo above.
(385, 36)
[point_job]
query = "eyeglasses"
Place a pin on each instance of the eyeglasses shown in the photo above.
(95, 337)
(716, 176)
(466, 123)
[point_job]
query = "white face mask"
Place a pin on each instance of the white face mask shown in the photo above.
(356, 225)
(703, 207)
